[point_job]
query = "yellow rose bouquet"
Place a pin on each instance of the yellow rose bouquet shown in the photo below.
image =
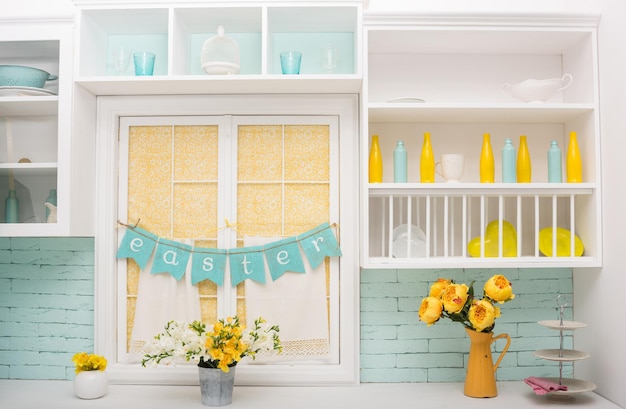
(457, 302)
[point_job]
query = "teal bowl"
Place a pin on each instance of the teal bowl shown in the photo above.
(22, 76)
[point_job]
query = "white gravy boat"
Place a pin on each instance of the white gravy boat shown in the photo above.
(537, 90)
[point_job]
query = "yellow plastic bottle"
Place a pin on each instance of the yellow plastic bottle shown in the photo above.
(573, 161)
(427, 161)
(487, 165)
(375, 162)
(524, 167)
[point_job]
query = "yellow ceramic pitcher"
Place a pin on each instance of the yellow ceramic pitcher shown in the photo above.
(480, 381)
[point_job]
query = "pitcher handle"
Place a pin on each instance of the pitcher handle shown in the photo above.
(506, 348)
(567, 81)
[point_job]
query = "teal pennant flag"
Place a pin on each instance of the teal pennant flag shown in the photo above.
(283, 256)
(137, 244)
(171, 257)
(208, 264)
(246, 263)
(319, 243)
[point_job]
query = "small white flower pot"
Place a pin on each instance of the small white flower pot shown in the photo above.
(91, 384)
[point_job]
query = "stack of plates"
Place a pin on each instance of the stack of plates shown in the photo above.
(15, 91)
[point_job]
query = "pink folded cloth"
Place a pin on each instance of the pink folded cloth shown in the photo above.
(542, 386)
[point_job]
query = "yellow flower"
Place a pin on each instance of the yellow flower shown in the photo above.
(89, 362)
(482, 314)
(438, 287)
(221, 347)
(430, 310)
(499, 289)
(454, 297)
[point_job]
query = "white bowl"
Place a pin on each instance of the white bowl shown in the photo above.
(403, 247)
(533, 90)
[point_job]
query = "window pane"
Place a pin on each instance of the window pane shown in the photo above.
(297, 202)
(172, 189)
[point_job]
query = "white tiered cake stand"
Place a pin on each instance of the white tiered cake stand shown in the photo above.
(561, 354)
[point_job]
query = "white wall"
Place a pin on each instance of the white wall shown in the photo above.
(598, 299)
(597, 294)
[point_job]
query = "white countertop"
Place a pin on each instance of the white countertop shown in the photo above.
(31, 394)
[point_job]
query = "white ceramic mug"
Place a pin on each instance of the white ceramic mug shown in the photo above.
(451, 167)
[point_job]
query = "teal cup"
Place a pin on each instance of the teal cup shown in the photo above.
(144, 63)
(290, 62)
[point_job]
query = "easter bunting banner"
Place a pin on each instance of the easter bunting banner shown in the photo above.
(281, 256)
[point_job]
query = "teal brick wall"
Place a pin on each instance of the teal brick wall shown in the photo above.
(396, 347)
(46, 305)
(46, 315)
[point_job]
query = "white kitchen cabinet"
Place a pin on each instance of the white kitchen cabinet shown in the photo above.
(35, 127)
(444, 75)
(176, 33)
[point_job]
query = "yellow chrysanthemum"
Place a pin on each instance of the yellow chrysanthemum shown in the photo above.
(89, 362)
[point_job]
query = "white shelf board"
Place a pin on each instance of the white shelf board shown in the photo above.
(29, 168)
(235, 84)
(476, 113)
(488, 189)
(32, 230)
(484, 262)
(29, 106)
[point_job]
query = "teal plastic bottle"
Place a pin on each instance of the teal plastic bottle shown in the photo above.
(554, 163)
(399, 163)
(509, 164)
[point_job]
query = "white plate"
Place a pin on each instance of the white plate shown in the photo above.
(406, 100)
(401, 246)
(24, 91)
(567, 355)
(567, 325)
(573, 386)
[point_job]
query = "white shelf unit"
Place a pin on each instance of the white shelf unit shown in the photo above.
(35, 131)
(448, 72)
(176, 33)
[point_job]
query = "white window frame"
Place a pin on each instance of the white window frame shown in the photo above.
(109, 112)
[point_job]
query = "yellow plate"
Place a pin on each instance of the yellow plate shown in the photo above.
(563, 242)
(492, 233)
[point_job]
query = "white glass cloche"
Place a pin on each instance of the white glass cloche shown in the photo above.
(220, 54)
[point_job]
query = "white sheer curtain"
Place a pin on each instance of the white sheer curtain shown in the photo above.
(161, 298)
(297, 303)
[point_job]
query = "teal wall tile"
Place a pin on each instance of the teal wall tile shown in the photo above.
(444, 356)
(46, 305)
(5, 243)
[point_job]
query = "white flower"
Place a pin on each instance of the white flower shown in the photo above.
(182, 341)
